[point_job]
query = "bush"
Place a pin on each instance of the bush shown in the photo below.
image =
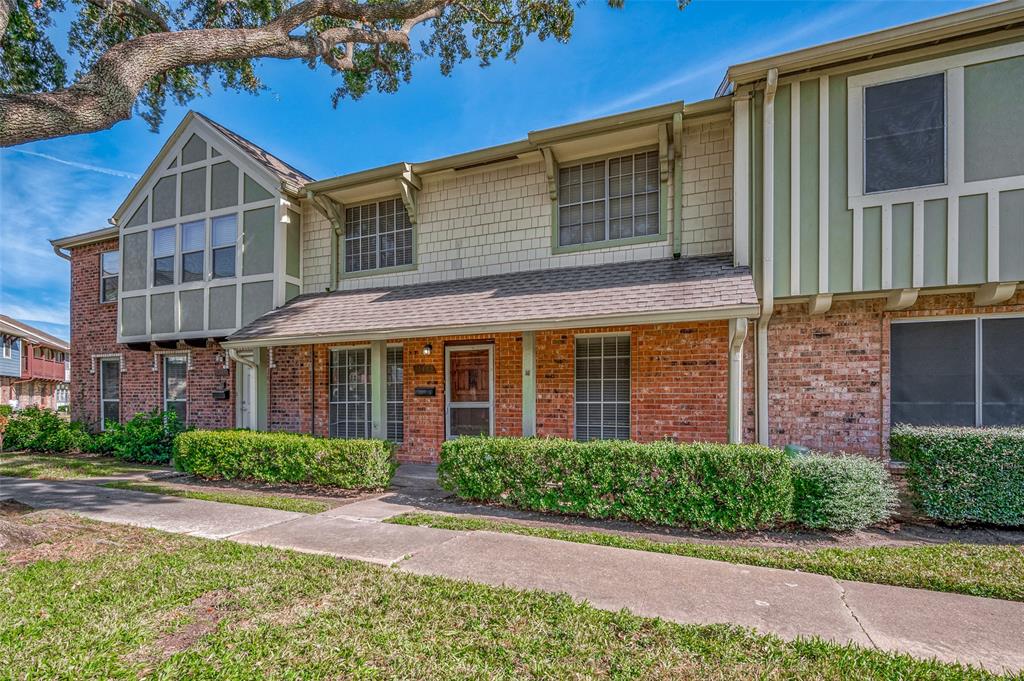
(960, 475)
(285, 457)
(721, 487)
(146, 438)
(841, 492)
(41, 430)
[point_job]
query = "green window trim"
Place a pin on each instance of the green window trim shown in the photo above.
(663, 230)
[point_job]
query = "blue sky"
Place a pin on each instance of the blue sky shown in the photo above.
(618, 60)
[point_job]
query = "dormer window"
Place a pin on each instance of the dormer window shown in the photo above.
(609, 199)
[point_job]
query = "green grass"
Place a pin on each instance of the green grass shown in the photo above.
(60, 467)
(129, 606)
(974, 569)
(262, 500)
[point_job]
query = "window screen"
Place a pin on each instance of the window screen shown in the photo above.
(224, 236)
(110, 391)
(350, 393)
(175, 385)
(905, 134)
(616, 198)
(602, 388)
(163, 256)
(1002, 362)
(110, 267)
(934, 380)
(377, 235)
(396, 416)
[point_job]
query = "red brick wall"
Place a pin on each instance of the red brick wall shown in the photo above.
(829, 375)
(28, 393)
(94, 332)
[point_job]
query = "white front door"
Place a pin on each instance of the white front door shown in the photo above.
(247, 397)
(469, 391)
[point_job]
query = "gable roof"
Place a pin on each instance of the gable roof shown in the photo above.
(707, 287)
(13, 327)
(291, 180)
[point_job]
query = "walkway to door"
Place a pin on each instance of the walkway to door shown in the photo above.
(979, 631)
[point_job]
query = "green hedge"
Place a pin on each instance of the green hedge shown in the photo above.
(722, 487)
(841, 492)
(42, 430)
(285, 457)
(962, 475)
(145, 438)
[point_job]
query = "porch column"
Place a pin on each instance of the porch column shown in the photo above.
(379, 389)
(737, 336)
(529, 383)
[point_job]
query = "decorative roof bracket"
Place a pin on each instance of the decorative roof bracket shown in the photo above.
(409, 186)
(549, 170)
(330, 209)
(901, 299)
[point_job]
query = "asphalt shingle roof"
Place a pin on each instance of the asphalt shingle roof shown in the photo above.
(556, 295)
(282, 170)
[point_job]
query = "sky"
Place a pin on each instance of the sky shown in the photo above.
(645, 54)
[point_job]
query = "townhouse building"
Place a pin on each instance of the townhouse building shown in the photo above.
(34, 367)
(830, 245)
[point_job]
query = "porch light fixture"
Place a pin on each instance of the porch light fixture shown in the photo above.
(427, 349)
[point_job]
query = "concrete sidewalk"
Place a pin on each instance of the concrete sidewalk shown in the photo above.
(979, 631)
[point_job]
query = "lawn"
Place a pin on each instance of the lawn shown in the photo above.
(57, 467)
(280, 503)
(101, 601)
(974, 569)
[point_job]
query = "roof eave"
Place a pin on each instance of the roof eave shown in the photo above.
(85, 238)
(743, 310)
(908, 36)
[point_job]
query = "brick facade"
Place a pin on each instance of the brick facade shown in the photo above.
(94, 334)
(29, 392)
(828, 375)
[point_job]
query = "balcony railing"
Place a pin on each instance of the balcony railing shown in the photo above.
(41, 368)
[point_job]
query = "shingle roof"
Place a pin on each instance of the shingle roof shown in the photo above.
(12, 326)
(554, 296)
(283, 171)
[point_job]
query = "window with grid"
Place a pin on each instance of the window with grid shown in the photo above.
(602, 388)
(377, 235)
(110, 266)
(350, 407)
(615, 198)
(964, 372)
(193, 251)
(110, 391)
(163, 255)
(224, 236)
(396, 417)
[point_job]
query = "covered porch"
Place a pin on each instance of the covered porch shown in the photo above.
(645, 351)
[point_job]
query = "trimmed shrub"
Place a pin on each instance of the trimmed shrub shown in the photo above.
(960, 475)
(841, 492)
(285, 457)
(701, 485)
(145, 438)
(41, 430)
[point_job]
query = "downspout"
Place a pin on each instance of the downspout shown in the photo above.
(767, 256)
(677, 184)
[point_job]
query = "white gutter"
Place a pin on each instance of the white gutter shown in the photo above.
(767, 256)
(233, 354)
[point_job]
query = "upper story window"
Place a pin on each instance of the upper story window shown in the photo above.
(610, 199)
(163, 256)
(378, 235)
(224, 237)
(8, 347)
(905, 134)
(110, 266)
(193, 250)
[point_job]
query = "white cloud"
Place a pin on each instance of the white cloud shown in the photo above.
(78, 164)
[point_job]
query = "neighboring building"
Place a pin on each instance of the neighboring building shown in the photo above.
(34, 366)
(743, 268)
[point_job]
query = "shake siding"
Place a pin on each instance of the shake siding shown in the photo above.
(499, 221)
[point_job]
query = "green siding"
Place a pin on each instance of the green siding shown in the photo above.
(254, 191)
(782, 187)
(165, 198)
(222, 307)
(973, 238)
(935, 242)
(258, 241)
(257, 299)
(809, 187)
(1011, 235)
(192, 309)
(223, 185)
(902, 245)
(293, 251)
(133, 316)
(134, 248)
(193, 191)
(161, 312)
(872, 228)
(994, 119)
(141, 214)
(840, 227)
(290, 291)
(757, 187)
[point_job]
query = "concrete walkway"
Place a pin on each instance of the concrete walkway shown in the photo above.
(979, 631)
